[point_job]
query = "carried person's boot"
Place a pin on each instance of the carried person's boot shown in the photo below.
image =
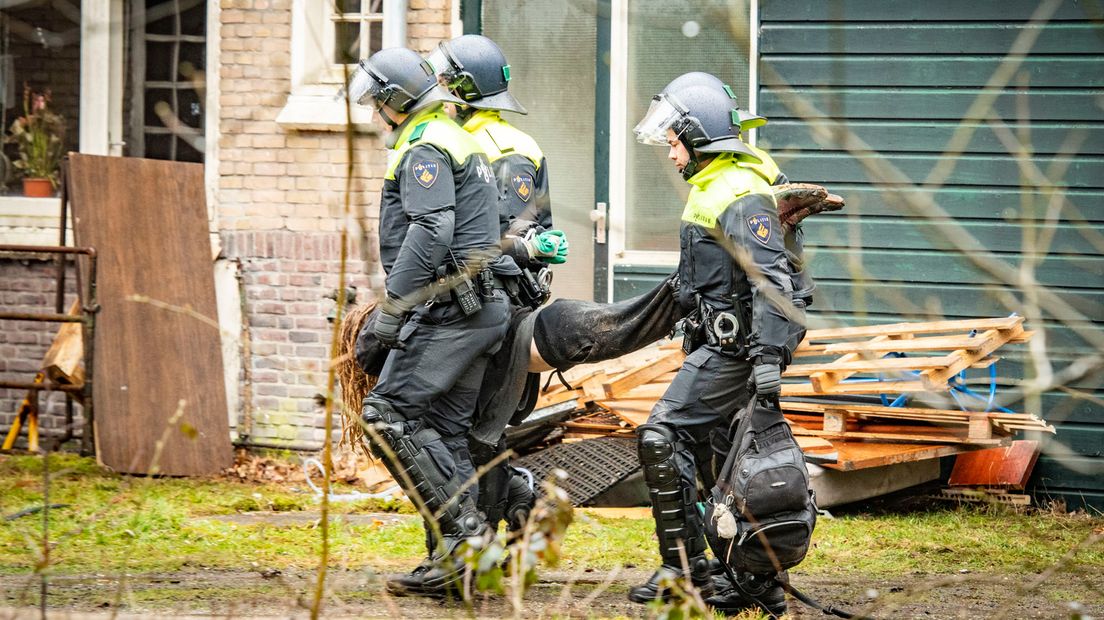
(670, 474)
(763, 592)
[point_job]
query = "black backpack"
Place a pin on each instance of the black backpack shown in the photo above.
(760, 515)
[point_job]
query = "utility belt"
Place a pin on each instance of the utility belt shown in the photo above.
(530, 289)
(725, 329)
(467, 290)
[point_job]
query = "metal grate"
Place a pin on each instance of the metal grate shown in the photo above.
(593, 465)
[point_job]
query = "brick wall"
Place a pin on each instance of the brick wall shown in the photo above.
(280, 206)
(29, 284)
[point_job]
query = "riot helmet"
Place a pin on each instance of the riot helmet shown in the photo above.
(397, 79)
(475, 70)
(748, 120)
(703, 114)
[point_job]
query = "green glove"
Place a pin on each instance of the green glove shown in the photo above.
(550, 246)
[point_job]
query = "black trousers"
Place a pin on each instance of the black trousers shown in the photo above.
(435, 380)
(708, 390)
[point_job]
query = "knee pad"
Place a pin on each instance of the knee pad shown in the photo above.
(378, 415)
(520, 499)
(656, 446)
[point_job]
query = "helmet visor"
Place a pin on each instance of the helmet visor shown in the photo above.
(663, 114)
(443, 64)
(362, 86)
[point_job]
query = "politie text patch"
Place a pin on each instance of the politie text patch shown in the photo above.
(523, 186)
(760, 226)
(425, 172)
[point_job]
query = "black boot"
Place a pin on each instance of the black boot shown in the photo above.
(670, 474)
(410, 584)
(459, 518)
(657, 585)
(763, 592)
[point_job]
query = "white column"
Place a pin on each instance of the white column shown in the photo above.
(394, 23)
(95, 69)
(116, 70)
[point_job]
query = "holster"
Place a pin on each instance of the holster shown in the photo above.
(530, 292)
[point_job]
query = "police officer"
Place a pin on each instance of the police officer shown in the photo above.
(475, 70)
(736, 284)
(445, 310)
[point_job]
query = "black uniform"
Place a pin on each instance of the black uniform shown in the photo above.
(524, 204)
(730, 223)
(438, 216)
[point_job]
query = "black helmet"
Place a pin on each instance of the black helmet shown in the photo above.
(703, 113)
(475, 70)
(747, 119)
(397, 78)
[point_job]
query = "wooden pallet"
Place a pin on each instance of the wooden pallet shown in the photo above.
(937, 351)
(980, 427)
(859, 435)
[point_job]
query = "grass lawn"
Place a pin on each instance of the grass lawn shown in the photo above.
(116, 523)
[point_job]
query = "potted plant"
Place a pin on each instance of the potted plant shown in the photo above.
(38, 137)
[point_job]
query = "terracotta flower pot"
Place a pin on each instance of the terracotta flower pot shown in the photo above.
(38, 188)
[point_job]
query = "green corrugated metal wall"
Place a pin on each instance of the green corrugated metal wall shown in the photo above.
(902, 76)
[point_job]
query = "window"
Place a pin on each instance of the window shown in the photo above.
(667, 38)
(358, 30)
(325, 35)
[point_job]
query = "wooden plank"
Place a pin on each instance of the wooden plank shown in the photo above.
(148, 222)
(814, 445)
(854, 455)
(938, 343)
(825, 381)
(644, 374)
(560, 397)
(805, 406)
(979, 427)
(879, 364)
(985, 496)
(1008, 466)
(899, 437)
(633, 412)
(594, 388)
(64, 360)
(928, 327)
(872, 387)
(835, 421)
(994, 339)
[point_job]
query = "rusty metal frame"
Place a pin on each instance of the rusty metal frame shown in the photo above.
(87, 317)
(88, 306)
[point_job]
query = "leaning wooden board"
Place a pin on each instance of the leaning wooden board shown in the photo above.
(147, 221)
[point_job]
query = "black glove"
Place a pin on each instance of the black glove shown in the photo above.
(766, 372)
(389, 322)
(768, 379)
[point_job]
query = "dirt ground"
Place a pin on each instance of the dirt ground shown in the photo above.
(359, 594)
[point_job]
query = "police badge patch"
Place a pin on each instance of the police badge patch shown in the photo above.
(425, 172)
(523, 186)
(760, 227)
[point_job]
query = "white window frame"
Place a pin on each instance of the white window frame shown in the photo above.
(315, 80)
(336, 71)
(619, 254)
